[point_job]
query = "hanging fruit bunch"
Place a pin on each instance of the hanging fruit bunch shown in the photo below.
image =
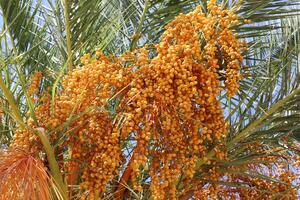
(172, 105)
(165, 101)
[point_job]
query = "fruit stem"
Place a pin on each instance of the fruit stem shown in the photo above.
(124, 179)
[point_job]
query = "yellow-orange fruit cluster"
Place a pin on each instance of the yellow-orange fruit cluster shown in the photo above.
(80, 111)
(35, 82)
(172, 104)
(93, 140)
(26, 139)
(168, 104)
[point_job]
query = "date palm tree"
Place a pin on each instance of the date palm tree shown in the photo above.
(50, 36)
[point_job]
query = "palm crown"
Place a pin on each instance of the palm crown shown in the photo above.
(42, 41)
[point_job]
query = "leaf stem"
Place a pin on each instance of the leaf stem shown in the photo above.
(55, 172)
(68, 35)
(15, 110)
(139, 29)
(269, 112)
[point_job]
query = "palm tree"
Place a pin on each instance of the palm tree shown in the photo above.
(50, 36)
